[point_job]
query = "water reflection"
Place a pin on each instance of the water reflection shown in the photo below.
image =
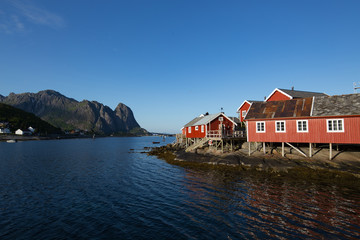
(81, 189)
(253, 208)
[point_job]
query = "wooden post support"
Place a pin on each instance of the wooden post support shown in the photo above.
(264, 147)
(310, 150)
(249, 148)
(282, 149)
(330, 151)
(222, 146)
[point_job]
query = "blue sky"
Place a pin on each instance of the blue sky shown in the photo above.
(172, 60)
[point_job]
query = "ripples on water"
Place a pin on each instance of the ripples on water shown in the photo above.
(91, 189)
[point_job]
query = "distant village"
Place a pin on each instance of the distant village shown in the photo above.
(30, 131)
(286, 117)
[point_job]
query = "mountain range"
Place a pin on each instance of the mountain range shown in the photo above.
(68, 114)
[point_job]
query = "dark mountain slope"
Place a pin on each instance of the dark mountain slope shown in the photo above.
(67, 113)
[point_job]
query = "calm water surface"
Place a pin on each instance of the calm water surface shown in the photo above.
(99, 189)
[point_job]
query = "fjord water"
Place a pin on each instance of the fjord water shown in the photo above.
(100, 189)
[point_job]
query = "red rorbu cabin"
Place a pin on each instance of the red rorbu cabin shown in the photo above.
(205, 124)
(322, 119)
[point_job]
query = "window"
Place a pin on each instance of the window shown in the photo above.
(243, 113)
(196, 128)
(202, 128)
(221, 119)
(335, 125)
(189, 129)
(302, 125)
(280, 126)
(260, 126)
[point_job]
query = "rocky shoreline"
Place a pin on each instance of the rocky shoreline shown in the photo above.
(258, 162)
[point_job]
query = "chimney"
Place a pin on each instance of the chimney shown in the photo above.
(292, 88)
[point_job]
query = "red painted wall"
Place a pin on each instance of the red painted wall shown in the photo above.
(278, 96)
(214, 125)
(317, 132)
(244, 107)
(195, 133)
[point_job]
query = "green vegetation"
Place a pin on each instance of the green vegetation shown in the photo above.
(20, 119)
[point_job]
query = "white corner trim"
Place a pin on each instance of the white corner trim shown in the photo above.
(276, 89)
(246, 101)
(312, 106)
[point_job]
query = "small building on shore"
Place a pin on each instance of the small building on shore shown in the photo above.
(5, 130)
(23, 132)
(209, 124)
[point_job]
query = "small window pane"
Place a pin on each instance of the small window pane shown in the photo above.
(340, 125)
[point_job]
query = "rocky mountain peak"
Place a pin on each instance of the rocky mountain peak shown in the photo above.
(67, 113)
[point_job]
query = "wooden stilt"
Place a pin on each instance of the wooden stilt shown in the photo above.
(222, 146)
(249, 148)
(282, 149)
(264, 147)
(296, 149)
(330, 151)
(310, 150)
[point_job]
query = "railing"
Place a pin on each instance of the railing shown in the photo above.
(225, 134)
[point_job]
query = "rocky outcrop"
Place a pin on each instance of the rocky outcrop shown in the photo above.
(67, 113)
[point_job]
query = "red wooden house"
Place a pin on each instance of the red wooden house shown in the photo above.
(244, 108)
(329, 119)
(206, 124)
(277, 95)
(286, 94)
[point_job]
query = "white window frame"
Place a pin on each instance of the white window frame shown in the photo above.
(196, 128)
(302, 130)
(257, 127)
(221, 119)
(335, 128)
(202, 128)
(189, 129)
(280, 130)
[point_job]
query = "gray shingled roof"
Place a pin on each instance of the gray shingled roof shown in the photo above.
(302, 94)
(337, 105)
(192, 122)
(204, 119)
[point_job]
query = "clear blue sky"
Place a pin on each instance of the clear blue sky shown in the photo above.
(172, 60)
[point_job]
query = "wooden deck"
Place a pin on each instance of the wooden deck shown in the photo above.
(214, 138)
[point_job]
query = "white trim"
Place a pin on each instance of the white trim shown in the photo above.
(246, 101)
(276, 89)
(189, 129)
(247, 131)
(302, 131)
(280, 131)
(337, 120)
(260, 122)
(196, 128)
(202, 128)
(312, 106)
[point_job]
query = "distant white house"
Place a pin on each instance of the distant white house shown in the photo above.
(31, 129)
(22, 132)
(5, 130)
